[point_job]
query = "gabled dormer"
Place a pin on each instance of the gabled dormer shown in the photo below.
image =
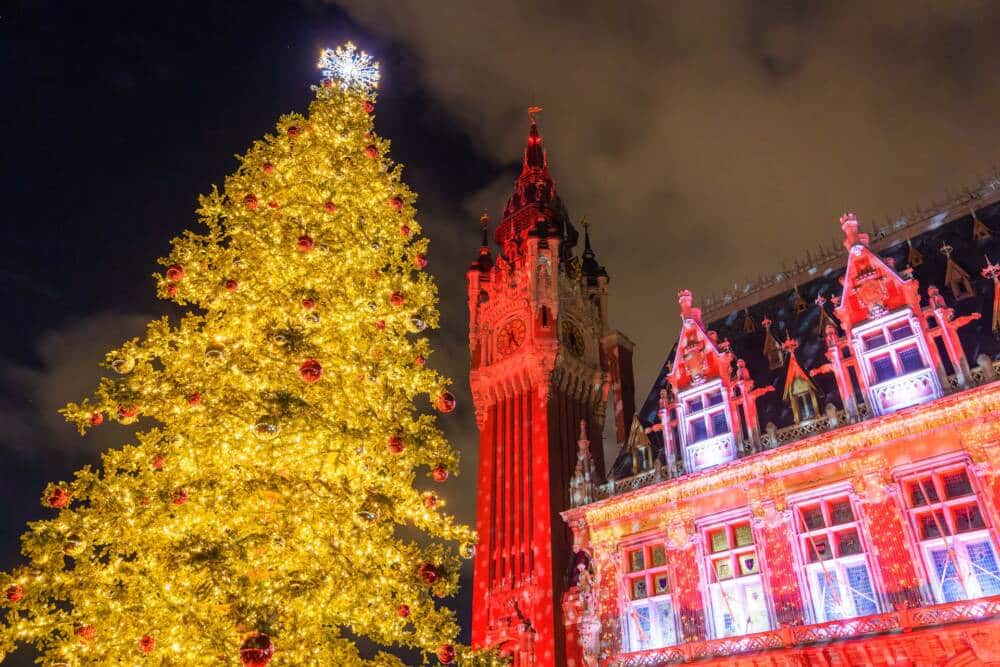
(880, 313)
(701, 377)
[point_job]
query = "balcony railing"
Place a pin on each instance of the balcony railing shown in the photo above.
(769, 439)
(802, 636)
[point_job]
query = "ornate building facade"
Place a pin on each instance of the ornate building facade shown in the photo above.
(813, 479)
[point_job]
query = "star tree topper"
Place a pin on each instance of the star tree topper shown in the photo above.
(352, 68)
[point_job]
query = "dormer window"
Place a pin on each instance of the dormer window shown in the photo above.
(702, 421)
(896, 363)
(705, 426)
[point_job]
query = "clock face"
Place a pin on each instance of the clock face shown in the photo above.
(573, 339)
(510, 337)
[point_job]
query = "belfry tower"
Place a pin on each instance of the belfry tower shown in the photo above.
(543, 360)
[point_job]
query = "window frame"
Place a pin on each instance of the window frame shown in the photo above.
(836, 564)
(952, 541)
(659, 636)
(891, 347)
(719, 593)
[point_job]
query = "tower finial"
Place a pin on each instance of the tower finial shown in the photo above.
(484, 220)
(532, 112)
(534, 155)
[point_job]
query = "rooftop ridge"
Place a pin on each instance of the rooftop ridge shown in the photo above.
(824, 259)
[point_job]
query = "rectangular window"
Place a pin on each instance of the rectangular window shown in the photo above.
(649, 618)
(699, 431)
(720, 424)
(840, 583)
(883, 369)
(910, 360)
(714, 398)
(900, 331)
(958, 552)
(736, 594)
(695, 405)
(874, 340)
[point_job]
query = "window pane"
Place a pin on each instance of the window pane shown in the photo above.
(901, 331)
(840, 512)
(659, 556)
(956, 485)
(984, 567)
(642, 614)
(639, 589)
(883, 368)
(665, 613)
(719, 423)
(874, 340)
(932, 524)
(636, 561)
(695, 404)
(848, 543)
(720, 541)
(660, 584)
(723, 569)
(968, 518)
(947, 576)
(714, 398)
(861, 590)
(818, 549)
(749, 564)
(756, 608)
(911, 360)
(830, 608)
(917, 492)
(698, 430)
(743, 535)
(813, 518)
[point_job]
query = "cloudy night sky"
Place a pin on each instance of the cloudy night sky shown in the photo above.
(706, 141)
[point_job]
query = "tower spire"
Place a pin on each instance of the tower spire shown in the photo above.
(590, 267)
(534, 154)
(485, 260)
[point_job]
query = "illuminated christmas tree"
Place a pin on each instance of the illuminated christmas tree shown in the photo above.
(273, 509)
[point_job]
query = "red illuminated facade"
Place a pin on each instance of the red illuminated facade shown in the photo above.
(814, 478)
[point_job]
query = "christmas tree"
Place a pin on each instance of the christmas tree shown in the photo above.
(272, 510)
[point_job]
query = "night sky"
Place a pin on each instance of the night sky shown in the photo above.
(706, 141)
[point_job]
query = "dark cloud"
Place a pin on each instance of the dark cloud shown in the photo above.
(710, 141)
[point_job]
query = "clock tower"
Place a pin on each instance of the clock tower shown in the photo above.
(544, 360)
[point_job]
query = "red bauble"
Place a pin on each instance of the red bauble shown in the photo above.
(310, 371)
(59, 497)
(440, 474)
(194, 398)
(405, 230)
(84, 633)
(171, 290)
(396, 203)
(446, 654)
(446, 402)
(268, 168)
(294, 130)
(14, 593)
(147, 644)
(420, 361)
(371, 151)
(250, 201)
(179, 496)
(396, 444)
(429, 573)
(127, 411)
(308, 303)
(232, 285)
(380, 325)
(158, 462)
(328, 83)
(430, 500)
(330, 206)
(369, 106)
(420, 261)
(273, 204)
(175, 273)
(96, 418)
(305, 243)
(403, 610)
(257, 650)
(397, 299)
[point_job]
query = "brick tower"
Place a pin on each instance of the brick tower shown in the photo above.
(543, 361)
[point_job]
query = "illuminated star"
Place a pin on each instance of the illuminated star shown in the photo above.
(352, 68)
